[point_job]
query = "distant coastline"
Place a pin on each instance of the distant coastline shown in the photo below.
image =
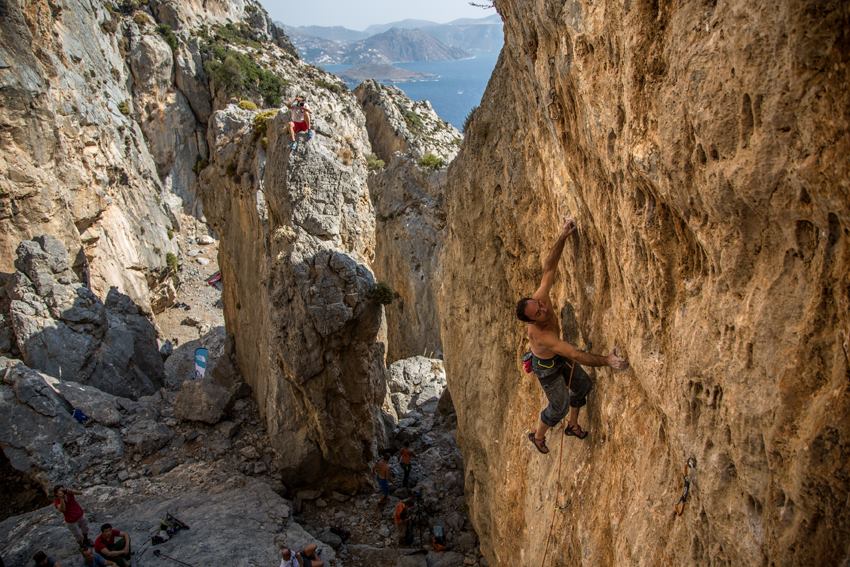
(454, 87)
(384, 73)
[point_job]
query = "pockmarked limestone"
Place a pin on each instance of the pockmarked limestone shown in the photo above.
(702, 148)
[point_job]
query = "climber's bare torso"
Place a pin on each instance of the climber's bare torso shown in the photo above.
(542, 333)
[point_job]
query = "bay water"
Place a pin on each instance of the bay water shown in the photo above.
(456, 90)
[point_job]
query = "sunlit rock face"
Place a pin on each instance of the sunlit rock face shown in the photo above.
(297, 239)
(702, 149)
(408, 196)
(74, 162)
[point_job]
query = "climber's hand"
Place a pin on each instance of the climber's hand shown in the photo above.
(569, 226)
(616, 362)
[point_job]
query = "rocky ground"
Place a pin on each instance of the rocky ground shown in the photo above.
(200, 450)
(197, 308)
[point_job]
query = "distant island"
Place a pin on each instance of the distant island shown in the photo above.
(381, 72)
(405, 40)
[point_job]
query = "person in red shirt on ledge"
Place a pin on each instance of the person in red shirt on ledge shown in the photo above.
(299, 120)
(113, 545)
(75, 517)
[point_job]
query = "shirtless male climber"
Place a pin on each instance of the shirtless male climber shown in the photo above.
(553, 359)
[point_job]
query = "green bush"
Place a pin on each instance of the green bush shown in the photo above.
(432, 161)
(374, 163)
(261, 122)
(247, 105)
(170, 234)
(171, 262)
(168, 35)
(468, 120)
(413, 120)
(238, 34)
(124, 107)
(332, 86)
(239, 75)
(382, 293)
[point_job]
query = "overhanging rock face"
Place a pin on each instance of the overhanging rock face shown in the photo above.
(297, 234)
(702, 149)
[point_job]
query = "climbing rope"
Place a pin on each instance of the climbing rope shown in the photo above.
(159, 553)
(690, 466)
(558, 481)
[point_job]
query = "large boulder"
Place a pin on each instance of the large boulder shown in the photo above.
(203, 400)
(65, 330)
(38, 435)
(146, 436)
(180, 365)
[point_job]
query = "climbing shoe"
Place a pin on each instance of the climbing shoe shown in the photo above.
(576, 431)
(310, 134)
(293, 146)
(539, 445)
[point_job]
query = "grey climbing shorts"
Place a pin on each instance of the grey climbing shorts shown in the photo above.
(553, 380)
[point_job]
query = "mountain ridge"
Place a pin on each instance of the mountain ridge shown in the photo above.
(332, 44)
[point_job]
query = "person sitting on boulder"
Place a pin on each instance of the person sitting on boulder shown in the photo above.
(307, 557)
(114, 545)
(383, 474)
(93, 559)
(43, 560)
(299, 120)
(75, 518)
(288, 558)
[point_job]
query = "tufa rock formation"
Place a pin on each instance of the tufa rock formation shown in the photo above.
(702, 148)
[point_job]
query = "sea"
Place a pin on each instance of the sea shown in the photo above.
(457, 89)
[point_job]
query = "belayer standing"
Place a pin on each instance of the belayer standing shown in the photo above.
(555, 362)
(300, 116)
(383, 474)
(404, 458)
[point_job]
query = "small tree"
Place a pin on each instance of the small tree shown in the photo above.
(432, 161)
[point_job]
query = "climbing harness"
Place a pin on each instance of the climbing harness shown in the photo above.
(690, 467)
(558, 477)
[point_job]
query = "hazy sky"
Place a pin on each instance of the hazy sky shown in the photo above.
(357, 15)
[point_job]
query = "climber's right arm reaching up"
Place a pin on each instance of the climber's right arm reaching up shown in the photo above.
(550, 265)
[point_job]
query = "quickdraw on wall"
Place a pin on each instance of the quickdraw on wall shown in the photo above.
(687, 474)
